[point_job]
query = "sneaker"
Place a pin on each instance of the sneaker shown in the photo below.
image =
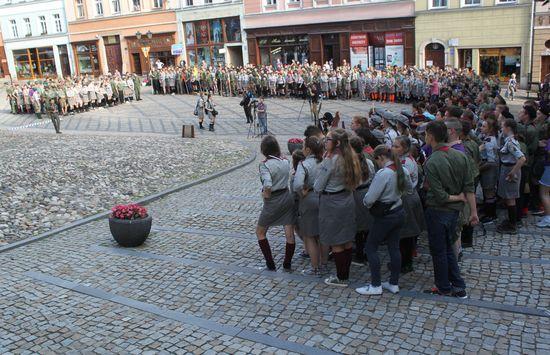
(369, 290)
(488, 220)
(311, 272)
(539, 212)
(544, 222)
(460, 294)
(506, 228)
(392, 288)
(460, 256)
(435, 291)
(335, 281)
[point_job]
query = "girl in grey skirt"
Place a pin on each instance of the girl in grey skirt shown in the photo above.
(414, 213)
(489, 169)
(339, 175)
(362, 215)
(278, 208)
(308, 210)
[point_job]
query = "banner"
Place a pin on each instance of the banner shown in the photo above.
(394, 38)
(176, 49)
(358, 40)
(359, 56)
(394, 56)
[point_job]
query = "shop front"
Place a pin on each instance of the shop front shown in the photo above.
(87, 58)
(209, 41)
(144, 52)
(382, 43)
(500, 62)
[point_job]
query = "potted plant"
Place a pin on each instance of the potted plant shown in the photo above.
(294, 143)
(130, 224)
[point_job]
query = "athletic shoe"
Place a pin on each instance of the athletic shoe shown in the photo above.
(544, 222)
(369, 290)
(435, 291)
(392, 288)
(335, 281)
(539, 212)
(460, 294)
(311, 272)
(358, 261)
(488, 219)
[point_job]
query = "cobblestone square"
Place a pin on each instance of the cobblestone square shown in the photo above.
(195, 286)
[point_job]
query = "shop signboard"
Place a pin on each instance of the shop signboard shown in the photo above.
(394, 49)
(358, 47)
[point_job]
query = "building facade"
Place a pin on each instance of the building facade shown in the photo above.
(35, 38)
(4, 71)
(212, 31)
(491, 37)
(541, 43)
(369, 33)
(121, 35)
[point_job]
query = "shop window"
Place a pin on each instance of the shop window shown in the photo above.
(283, 50)
(164, 56)
(189, 2)
(87, 58)
(14, 32)
(58, 26)
(116, 6)
(465, 58)
(99, 7)
(201, 32)
(232, 29)
(205, 38)
(500, 62)
(43, 25)
(34, 63)
(136, 5)
(192, 57)
(437, 4)
(218, 58)
(80, 8)
(28, 28)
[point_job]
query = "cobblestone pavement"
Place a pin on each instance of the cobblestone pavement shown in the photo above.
(195, 285)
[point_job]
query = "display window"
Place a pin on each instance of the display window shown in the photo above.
(34, 63)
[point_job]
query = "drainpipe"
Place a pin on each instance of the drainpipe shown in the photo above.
(531, 49)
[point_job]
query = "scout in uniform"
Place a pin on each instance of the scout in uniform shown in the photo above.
(137, 86)
(278, 204)
(51, 108)
(511, 161)
(489, 154)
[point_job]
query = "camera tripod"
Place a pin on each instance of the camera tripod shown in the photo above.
(254, 131)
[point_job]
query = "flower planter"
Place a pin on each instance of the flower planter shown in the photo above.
(130, 232)
(293, 146)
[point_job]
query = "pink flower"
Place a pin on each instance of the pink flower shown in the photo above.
(131, 211)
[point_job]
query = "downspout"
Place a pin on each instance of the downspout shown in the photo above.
(532, 45)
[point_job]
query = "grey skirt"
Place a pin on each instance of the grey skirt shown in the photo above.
(337, 218)
(363, 218)
(489, 177)
(308, 215)
(278, 210)
(414, 216)
(508, 189)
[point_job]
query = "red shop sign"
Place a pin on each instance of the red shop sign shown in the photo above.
(393, 38)
(358, 40)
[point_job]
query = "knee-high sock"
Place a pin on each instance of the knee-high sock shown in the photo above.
(266, 250)
(289, 253)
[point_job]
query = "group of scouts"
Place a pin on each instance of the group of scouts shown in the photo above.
(394, 84)
(71, 95)
(393, 176)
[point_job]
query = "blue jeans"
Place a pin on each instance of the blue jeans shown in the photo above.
(385, 228)
(263, 124)
(441, 226)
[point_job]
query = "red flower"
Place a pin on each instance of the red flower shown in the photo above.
(131, 211)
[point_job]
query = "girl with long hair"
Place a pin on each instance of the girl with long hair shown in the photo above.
(308, 205)
(339, 175)
(386, 206)
(278, 208)
(488, 169)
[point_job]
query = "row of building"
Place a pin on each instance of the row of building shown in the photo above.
(492, 37)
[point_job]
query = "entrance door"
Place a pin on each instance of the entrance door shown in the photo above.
(545, 67)
(331, 48)
(235, 55)
(435, 55)
(137, 63)
(114, 57)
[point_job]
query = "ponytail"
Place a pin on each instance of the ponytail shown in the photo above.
(386, 152)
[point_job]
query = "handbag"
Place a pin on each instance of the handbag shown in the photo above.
(381, 209)
(214, 112)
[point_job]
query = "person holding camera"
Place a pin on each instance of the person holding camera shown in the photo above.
(246, 103)
(386, 206)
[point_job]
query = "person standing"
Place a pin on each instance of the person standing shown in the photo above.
(308, 205)
(511, 161)
(200, 109)
(262, 115)
(489, 169)
(137, 86)
(278, 204)
(52, 109)
(211, 112)
(246, 103)
(339, 175)
(450, 185)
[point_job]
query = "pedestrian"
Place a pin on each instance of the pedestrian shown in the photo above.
(339, 175)
(386, 206)
(544, 188)
(308, 204)
(278, 204)
(511, 161)
(246, 103)
(261, 110)
(489, 169)
(200, 109)
(450, 185)
(210, 109)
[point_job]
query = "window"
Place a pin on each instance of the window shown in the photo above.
(157, 4)
(116, 6)
(467, 3)
(438, 4)
(58, 26)
(189, 2)
(28, 29)
(271, 2)
(14, 28)
(43, 25)
(497, 2)
(80, 8)
(137, 5)
(99, 7)
(207, 1)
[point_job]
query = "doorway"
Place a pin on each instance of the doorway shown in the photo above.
(331, 49)
(137, 63)
(112, 51)
(234, 56)
(545, 67)
(435, 55)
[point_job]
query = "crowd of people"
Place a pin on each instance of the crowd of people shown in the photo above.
(72, 94)
(393, 176)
